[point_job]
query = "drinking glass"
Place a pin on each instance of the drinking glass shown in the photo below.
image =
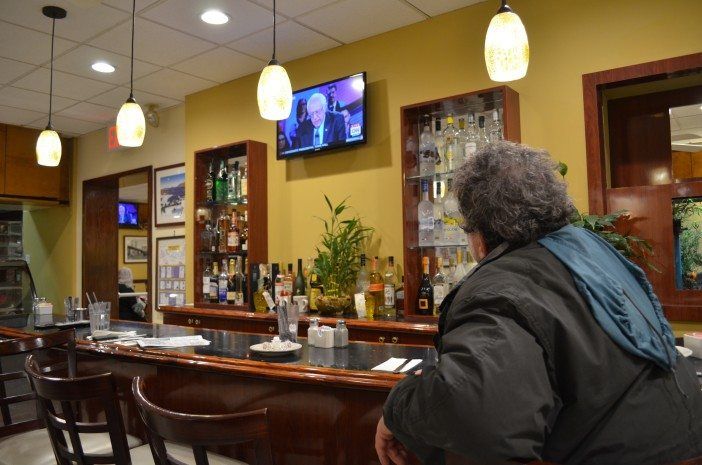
(99, 316)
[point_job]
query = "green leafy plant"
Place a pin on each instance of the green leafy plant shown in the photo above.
(340, 245)
(605, 226)
(687, 229)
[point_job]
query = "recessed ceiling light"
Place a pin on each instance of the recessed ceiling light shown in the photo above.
(214, 17)
(102, 67)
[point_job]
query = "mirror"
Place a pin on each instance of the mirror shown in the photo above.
(687, 244)
(686, 141)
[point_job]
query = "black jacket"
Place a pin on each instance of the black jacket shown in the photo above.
(334, 130)
(526, 373)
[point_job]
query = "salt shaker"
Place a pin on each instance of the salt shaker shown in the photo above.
(312, 332)
(325, 338)
(341, 334)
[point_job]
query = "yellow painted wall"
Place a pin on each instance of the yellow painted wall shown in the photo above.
(436, 58)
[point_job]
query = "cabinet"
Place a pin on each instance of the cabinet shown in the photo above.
(482, 103)
(251, 155)
(23, 178)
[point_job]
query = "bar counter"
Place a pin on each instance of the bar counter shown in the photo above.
(323, 404)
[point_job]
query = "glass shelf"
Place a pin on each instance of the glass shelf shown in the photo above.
(441, 246)
(241, 253)
(220, 204)
(431, 177)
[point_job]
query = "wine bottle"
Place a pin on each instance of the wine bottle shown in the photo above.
(231, 291)
(278, 284)
(389, 283)
(299, 288)
(376, 289)
(214, 290)
(239, 283)
(316, 289)
(425, 293)
(206, 275)
(264, 285)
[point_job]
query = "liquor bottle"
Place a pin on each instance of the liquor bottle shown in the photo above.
(232, 182)
(440, 285)
(438, 212)
(223, 226)
(461, 140)
(376, 289)
(299, 288)
(451, 217)
(495, 128)
(362, 284)
(451, 274)
(231, 291)
(389, 284)
(425, 293)
(233, 235)
(316, 289)
(288, 281)
(207, 238)
(427, 154)
(460, 270)
(244, 186)
(471, 138)
(439, 144)
(450, 137)
(308, 275)
(264, 285)
(209, 184)
(400, 300)
(239, 283)
(206, 275)
(221, 183)
(222, 283)
(279, 283)
(244, 238)
(214, 290)
(425, 216)
(482, 135)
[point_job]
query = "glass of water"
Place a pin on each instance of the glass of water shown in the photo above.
(99, 316)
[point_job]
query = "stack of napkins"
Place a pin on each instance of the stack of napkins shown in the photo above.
(173, 342)
(393, 365)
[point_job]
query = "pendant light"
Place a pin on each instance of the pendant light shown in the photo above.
(274, 89)
(49, 144)
(131, 126)
(506, 46)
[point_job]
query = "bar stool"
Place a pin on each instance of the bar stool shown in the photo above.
(89, 443)
(199, 432)
(27, 441)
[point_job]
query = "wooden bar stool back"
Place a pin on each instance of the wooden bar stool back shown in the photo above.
(24, 346)
(201, 431)
(68, 393)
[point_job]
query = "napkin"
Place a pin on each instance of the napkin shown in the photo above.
(391, 364)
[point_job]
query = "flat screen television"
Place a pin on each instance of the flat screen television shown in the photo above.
(127, 214)
(326, 116)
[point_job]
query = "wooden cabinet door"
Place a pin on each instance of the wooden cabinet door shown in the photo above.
(3, 130)
(23, 176)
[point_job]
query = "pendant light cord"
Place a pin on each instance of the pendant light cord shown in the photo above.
(51, 73)
(131, 76)
(274, 29)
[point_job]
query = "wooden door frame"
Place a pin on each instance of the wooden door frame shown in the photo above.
(593, 85)
(114, 178)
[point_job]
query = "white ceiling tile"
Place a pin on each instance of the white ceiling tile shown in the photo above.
(221, 65)
(126, 5)
(293, 41)
(65, 85)
(11, 70)
(116, 97)
(674, 124)
(690, 122)
(79, 60)
(83, 19)
(184, 15)
(90, 112)
(22, 44)
(352, 20)
(294, 8)
(434, 7)
(30, 100)
(19, 117)
(152, 42)
(64, 124)
(173, 84)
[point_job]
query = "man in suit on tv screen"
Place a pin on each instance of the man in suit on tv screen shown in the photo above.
(323, 127)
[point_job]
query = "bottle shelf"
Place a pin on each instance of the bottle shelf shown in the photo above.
(220, 204)
(437, 246)
(241, 253)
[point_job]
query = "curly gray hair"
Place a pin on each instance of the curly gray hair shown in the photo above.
(510, 193)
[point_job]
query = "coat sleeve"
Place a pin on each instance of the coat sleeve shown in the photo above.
(488, 398)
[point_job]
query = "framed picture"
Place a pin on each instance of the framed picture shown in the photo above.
(136, 249)
(169, 195)
(170, 266)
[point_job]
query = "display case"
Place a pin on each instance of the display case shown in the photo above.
(498, 107)
(17, 293)
(249, 204)
(11, 239)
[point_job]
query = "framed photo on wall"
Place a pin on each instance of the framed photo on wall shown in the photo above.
(170, 270)
(136, 249)
(169, 195)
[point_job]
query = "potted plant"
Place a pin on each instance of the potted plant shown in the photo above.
(337, 257)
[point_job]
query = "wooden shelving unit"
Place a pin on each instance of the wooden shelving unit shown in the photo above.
(253, 154)
(481, 102)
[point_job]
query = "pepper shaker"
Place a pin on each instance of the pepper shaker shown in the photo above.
(341, 334)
